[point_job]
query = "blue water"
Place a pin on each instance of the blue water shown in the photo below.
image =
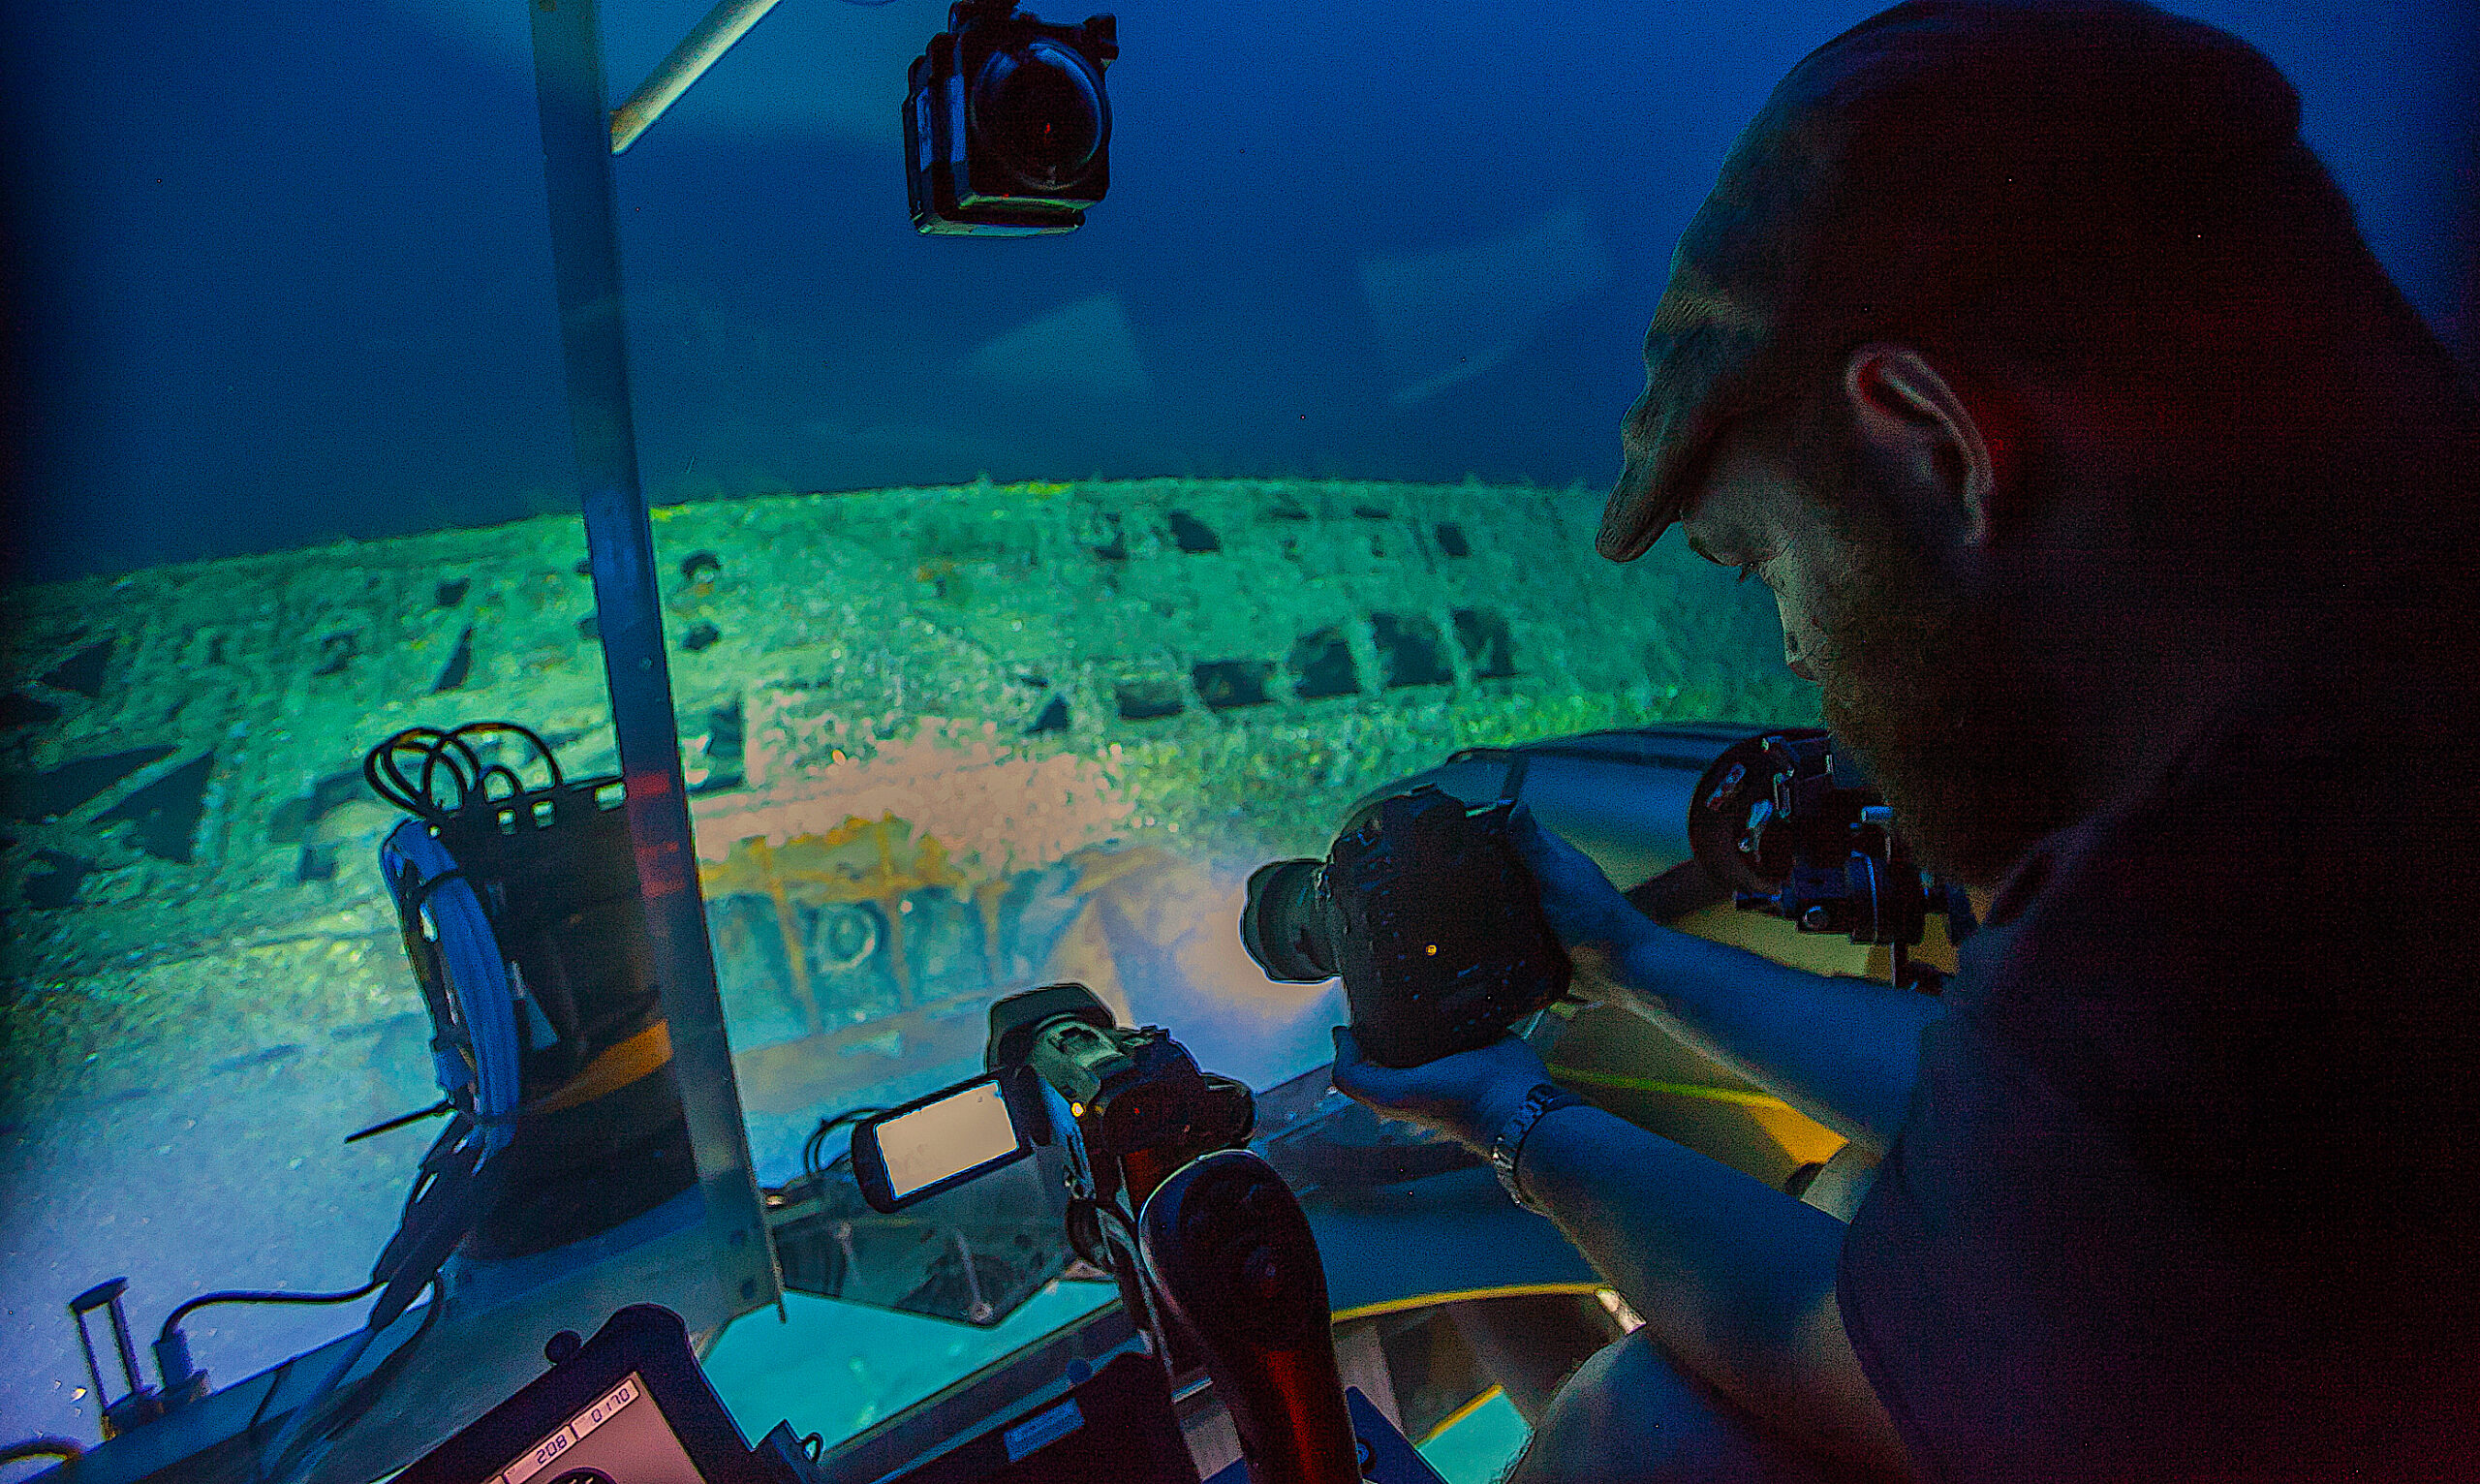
(836, 1369)
(283, 277)
(287, 278)
(1480, 1444)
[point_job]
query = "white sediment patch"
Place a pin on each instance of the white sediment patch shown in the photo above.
(994, 809)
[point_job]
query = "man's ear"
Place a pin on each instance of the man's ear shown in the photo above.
(1922, 428)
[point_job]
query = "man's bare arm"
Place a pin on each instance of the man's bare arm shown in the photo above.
(1844, 1051)
(1733, 1278)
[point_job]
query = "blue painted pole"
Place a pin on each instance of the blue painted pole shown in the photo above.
(585, 255)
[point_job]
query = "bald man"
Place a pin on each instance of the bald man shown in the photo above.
(2122, 510)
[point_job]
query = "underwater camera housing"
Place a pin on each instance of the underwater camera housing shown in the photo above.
(1007, 129)
(1771, 819)
(1427, 913)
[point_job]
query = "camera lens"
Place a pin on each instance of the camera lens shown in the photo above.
(1039, 107)
(1286, 928)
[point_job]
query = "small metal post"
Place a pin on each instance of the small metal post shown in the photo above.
(137, 1402)
(84, 1304)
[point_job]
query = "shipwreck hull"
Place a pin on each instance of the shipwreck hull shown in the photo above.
(942, 744)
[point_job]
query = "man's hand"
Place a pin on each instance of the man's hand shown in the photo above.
(1596, 924)
(1467, 1097)
(1845, 1051)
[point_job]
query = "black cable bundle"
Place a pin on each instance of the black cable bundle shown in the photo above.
(449, 756)
(814, 1164)
(554, 871)
(597, 1135)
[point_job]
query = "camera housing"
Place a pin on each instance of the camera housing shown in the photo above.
(1427, 913)
(1007, 127)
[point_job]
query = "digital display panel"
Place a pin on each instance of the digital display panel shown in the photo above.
(945, 1138)
(621, 1439)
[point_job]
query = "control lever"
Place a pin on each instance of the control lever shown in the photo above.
(1230, 1257)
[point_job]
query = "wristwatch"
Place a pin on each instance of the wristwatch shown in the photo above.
(1508, 1146)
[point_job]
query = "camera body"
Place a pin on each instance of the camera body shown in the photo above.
(1139, 1105)
(1427, 913)
(1007, 129)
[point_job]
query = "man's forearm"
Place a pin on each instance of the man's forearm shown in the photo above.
(1734, 1279)
(1844, 1051)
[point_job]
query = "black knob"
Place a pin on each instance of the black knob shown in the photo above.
(562, 1348)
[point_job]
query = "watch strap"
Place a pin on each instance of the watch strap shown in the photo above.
(1508, 1146)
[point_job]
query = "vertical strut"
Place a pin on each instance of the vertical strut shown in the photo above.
(585, 255)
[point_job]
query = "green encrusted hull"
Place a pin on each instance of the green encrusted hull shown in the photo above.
(945, 744)
(1019, 675)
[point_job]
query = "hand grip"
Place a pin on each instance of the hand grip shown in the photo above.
(1231, 1257)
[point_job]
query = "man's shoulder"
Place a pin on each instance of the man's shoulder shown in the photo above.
(2184, 1145)
(2245, 989)
(2271, 918)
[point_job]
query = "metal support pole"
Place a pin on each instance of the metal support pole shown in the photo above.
(585, 255)
(727, 23)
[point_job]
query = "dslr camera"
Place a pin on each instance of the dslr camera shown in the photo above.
(1007, 129)
(1427, 913)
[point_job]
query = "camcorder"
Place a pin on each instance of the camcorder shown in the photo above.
(1437, 930)
(1007, 127)
(1212, 1253)
(1129, 1103)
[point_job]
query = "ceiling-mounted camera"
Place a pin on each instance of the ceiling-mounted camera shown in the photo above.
(1007, 130)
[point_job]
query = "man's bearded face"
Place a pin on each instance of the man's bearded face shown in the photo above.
(1916, 679)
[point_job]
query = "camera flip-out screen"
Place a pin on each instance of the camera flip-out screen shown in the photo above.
(935, 1143)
